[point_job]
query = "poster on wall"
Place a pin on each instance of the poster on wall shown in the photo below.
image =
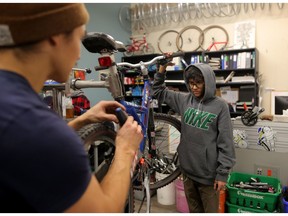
(244, 34)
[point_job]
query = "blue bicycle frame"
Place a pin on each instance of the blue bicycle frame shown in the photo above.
(143, 110)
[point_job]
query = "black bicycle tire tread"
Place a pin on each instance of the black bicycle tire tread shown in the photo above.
(90, 131)
(177, 172)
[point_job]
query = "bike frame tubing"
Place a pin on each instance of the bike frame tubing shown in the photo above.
(144, 109)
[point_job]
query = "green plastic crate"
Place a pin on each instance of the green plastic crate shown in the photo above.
(253, 199)
(241, 209)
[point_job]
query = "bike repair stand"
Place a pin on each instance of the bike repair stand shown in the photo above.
(147, 188)
(147, 194)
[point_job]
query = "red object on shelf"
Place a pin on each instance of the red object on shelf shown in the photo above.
(245, 106)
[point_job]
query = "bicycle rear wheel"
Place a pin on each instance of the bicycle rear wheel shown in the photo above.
(147, 49)
(167, 138)
(215, 33)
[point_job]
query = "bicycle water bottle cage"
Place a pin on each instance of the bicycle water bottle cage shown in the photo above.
(98, 42)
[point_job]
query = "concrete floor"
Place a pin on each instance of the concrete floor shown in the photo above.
(155, 207)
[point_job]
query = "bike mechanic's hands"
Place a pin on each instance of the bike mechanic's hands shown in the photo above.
(162, 68)
(128, 138)
(219, 185)
(103, 111)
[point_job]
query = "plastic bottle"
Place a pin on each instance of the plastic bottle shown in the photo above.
(69, 108)
(222, 200)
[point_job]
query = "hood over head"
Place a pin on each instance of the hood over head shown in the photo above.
(209, 79)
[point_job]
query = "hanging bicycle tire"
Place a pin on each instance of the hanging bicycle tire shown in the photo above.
(189, 39)
(167, 41)
(215, 34)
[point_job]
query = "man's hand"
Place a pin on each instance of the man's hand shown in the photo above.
(169, 62)
(102, 111)
(219, 185)
(128, 138)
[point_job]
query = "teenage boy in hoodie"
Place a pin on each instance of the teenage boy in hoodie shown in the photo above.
(206, 151)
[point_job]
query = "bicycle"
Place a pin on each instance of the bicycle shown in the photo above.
(216, 37)
(157, 151)
(140, 46)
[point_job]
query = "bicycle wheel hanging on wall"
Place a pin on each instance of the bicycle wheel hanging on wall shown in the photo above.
(215, 37)
(189, 39)
(124, 17)
(167, 41)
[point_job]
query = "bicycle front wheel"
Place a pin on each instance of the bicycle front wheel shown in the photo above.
(99, 142)
(165, 158)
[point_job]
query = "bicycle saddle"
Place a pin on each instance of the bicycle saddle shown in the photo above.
(98, 42)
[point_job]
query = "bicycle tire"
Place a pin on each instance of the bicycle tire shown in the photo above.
(214, 31)
(246, 119)
(245, 7)
(124, 17)
(168, 45)
(128, 53)
(253, 6)
(165, 125)
(187, 41)
(103, 136)
(106, 134)
(280, 5)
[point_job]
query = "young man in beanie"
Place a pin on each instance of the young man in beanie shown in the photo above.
(206, 150)
(44, 167)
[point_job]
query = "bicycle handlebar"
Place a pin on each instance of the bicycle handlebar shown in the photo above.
(154, 60)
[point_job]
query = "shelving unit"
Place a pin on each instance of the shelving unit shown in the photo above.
(242, 87)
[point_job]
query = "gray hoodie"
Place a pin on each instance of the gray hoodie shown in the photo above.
(206, 150)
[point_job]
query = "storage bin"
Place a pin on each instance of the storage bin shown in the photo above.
(284, 198)
(241, 209)
(166, 194)
(181, 202)
(253, 199)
